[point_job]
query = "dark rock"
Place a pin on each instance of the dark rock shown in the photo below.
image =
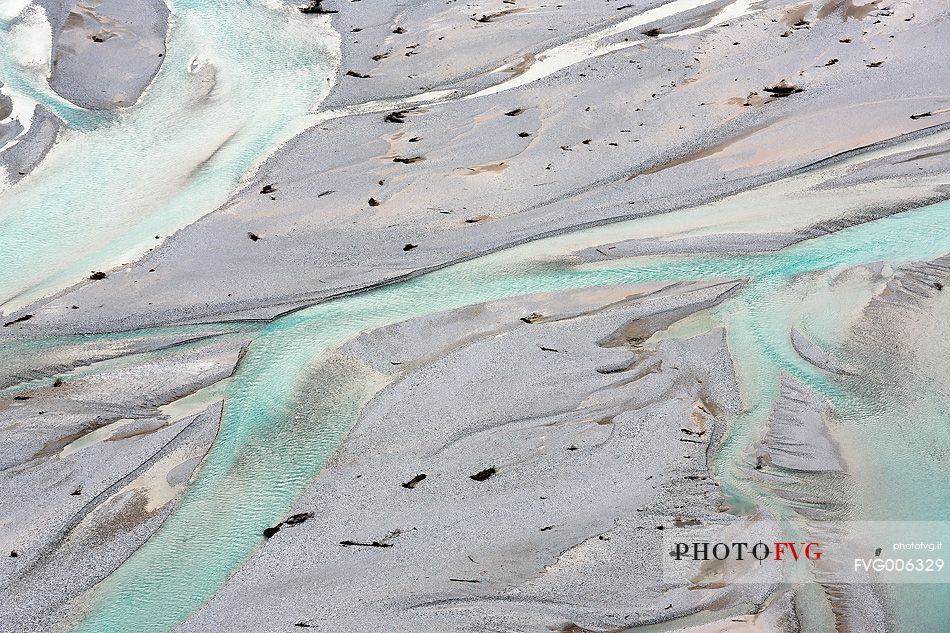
(524, 134)
(921, 115)
(25, 317)
(297, 519)
(415, 481)
(399, 116)
(399, 30)
(408, 160)
(938, 285)
(268, 189)
(316, 7)
(353, 73)
(514, 112)
(652, 33)
(97, 275)
(373, 202)
(482, 475)
(76, 492)
(782, 89)
(22, 397)
(534, 317)
(832, 61)
(359, 544)
(875, 64)
(271, 531)
(13, 554)
(409, 247)
(253, 236)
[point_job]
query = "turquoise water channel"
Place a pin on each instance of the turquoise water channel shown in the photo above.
(269, 449)
(239, 78)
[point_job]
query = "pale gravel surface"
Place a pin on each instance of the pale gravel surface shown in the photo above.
(689, 139)
(590, 460)
(105, 52)
(67, 542)
(674, 108)
(23, 156)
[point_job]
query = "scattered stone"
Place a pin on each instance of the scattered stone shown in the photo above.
(253, 236)
(297, 519)
(463, 580)
(76, 492)
(652, 32)
(97, 275)
(409, 247)
(534, 317)
(22, 397)
(482, 475)
(268, 189)
(316, 7)
(547, 349)
(524, 134)
(292, 520)
(921, 115)
(396, 117)
(782, 89)
(13, 553)
(399, 30)
(408, 160)
(514, 112)
(358, 75)
(25, 317)
(415, 481)
(546, 528)
(373, 202)
(359, 544)
(832, 61)
(875, 64)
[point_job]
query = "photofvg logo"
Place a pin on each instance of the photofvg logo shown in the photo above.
(739, 550)
(745, 550)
